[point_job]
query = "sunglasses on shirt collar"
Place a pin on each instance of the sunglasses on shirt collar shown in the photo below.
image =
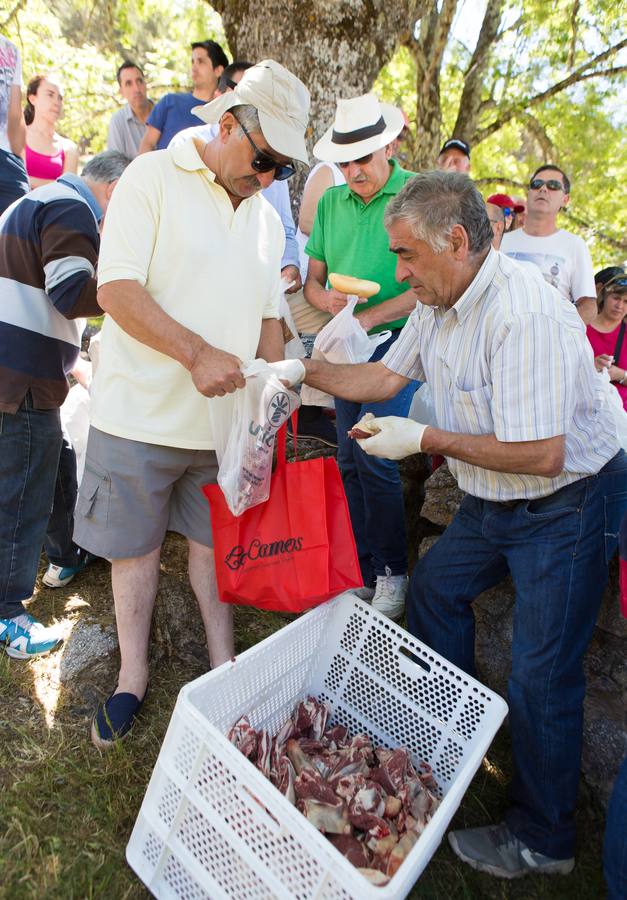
(362, 161)
(263, 162)
(553, 184)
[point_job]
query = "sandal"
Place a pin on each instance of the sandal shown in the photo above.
(114, 719)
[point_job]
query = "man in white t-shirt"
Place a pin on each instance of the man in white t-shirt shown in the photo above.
(189, 276)
(13, 178)
(562, 257)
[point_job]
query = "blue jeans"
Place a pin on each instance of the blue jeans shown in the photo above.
(58, 544)
(373, 485)
(557, 550)
(30, 445)
(615, 847)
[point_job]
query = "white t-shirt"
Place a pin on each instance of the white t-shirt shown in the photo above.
(562, 257)
(10, 74)
(214, 269)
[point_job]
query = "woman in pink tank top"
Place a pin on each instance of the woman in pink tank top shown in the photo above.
(48, 155)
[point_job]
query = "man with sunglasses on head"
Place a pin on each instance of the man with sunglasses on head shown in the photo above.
(189, 276)
(348, 237)
(562, 257)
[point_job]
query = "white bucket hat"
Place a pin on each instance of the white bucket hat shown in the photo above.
(281, 100)
(362, 125)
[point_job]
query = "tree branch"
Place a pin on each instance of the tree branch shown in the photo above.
(578, 75)
(573, 40)
(469, 105)
(19, 6)
(440, 38)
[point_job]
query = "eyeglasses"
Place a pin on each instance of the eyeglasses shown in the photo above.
(263, 162)
(553, 184)
(362, 161)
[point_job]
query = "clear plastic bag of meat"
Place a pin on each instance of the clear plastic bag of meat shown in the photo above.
(259, 411)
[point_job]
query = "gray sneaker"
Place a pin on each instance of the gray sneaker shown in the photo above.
(494, 849)
(390, 593)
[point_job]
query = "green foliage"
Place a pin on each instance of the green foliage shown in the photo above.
(84, 42)
(581, 129)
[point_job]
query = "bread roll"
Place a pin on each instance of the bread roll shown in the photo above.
(358, 287)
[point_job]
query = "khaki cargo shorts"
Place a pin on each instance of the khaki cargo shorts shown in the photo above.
(307, 318)
(132, 493)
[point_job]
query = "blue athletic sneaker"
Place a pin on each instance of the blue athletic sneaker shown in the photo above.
(59, 576)
(24, 637)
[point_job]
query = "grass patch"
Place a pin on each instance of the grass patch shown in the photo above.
(67, 811)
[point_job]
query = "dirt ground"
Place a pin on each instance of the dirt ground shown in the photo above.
(66, 811)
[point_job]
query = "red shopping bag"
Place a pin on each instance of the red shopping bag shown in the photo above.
(292, 552)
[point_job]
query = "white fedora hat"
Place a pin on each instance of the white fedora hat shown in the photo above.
(281, 100)
(362, 125)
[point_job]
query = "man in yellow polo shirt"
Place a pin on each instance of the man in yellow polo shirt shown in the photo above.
(189, 275)
(348, 237)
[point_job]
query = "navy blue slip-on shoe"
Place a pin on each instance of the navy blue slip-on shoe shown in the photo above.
(114, 719)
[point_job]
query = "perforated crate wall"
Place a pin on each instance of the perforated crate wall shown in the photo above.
(212, 826)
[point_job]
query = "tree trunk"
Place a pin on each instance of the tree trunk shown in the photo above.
(428, 50)
(471, 101)
(336, 47)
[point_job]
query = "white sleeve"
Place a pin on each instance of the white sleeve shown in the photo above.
(17, 74)
(583, 274)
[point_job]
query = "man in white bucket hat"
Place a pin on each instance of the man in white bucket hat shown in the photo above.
(348, 237)
(189, 275)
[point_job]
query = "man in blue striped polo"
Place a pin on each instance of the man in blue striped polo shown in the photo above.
(49, 244)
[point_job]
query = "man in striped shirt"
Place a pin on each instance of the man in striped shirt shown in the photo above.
(528, 435)
(49, 243)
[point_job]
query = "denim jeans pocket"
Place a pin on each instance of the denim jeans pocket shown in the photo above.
(94, 494)
(568, 499)
(615, 507)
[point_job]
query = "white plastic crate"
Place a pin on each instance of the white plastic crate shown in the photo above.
(212, 826)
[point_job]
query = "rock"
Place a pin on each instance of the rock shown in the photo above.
(442, 497)
(88, 642)
(605, 719)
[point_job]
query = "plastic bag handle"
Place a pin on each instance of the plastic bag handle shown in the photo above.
(282, 441)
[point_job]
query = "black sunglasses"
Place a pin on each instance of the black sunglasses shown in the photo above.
(553, 184)
(362, 161)
(263, 162)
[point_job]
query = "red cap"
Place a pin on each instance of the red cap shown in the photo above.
(504, 200)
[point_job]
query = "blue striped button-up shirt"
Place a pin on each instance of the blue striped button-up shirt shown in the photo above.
(510, 358)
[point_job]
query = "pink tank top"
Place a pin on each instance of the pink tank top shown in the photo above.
(39, 165)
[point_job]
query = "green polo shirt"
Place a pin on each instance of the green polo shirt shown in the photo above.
(349, 237)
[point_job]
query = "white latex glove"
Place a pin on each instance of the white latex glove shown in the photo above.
(395, 437)
(290, 371)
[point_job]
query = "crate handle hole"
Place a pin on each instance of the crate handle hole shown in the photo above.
(418, 660)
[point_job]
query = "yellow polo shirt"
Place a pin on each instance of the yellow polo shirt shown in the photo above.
(214, 269)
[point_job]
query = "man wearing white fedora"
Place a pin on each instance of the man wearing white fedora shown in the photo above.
(348, 237)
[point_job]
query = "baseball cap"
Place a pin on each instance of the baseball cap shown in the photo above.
(455, 144)
(505, 202)
(281, 100)
(617, 284)
(605, 275)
